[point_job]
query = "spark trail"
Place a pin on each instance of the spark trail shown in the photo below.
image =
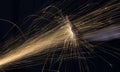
(54, 37)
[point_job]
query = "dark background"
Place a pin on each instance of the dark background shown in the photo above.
(17, 10)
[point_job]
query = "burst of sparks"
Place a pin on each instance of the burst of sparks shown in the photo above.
(91, 27)
(48, 40)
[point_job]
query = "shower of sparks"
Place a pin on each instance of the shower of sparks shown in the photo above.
(63, 34)
(74, 30)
